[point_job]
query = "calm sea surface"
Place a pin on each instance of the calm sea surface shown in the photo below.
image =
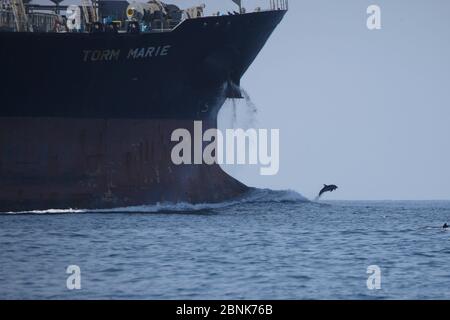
(270, 245)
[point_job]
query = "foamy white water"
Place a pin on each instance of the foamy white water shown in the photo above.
(253, 196)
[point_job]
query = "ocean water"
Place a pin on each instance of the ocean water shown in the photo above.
(268, 245)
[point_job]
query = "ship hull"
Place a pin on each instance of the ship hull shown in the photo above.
(101, 163)
(86, 120)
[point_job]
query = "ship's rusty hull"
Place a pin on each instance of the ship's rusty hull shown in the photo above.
(79, 163)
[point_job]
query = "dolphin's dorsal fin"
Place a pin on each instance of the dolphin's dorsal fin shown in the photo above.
(325, 185)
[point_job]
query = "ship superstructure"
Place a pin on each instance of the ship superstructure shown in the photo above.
(103, 15)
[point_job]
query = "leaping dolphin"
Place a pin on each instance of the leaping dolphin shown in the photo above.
(326, 188)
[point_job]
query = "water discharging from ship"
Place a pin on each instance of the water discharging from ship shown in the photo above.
(239, 113)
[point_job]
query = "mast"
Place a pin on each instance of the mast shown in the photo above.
(89, 11)
(20, 16)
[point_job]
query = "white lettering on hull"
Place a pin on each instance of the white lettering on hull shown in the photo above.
(132, 54)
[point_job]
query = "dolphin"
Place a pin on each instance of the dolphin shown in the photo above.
(445, 226)
(326, 188)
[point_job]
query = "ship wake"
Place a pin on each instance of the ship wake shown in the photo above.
(254, 196)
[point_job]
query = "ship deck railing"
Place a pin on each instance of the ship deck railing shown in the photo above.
(45, 21)
(279, 4)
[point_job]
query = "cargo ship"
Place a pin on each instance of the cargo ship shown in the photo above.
(91, 93)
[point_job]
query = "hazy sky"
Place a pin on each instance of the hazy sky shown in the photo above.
(367, 110)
